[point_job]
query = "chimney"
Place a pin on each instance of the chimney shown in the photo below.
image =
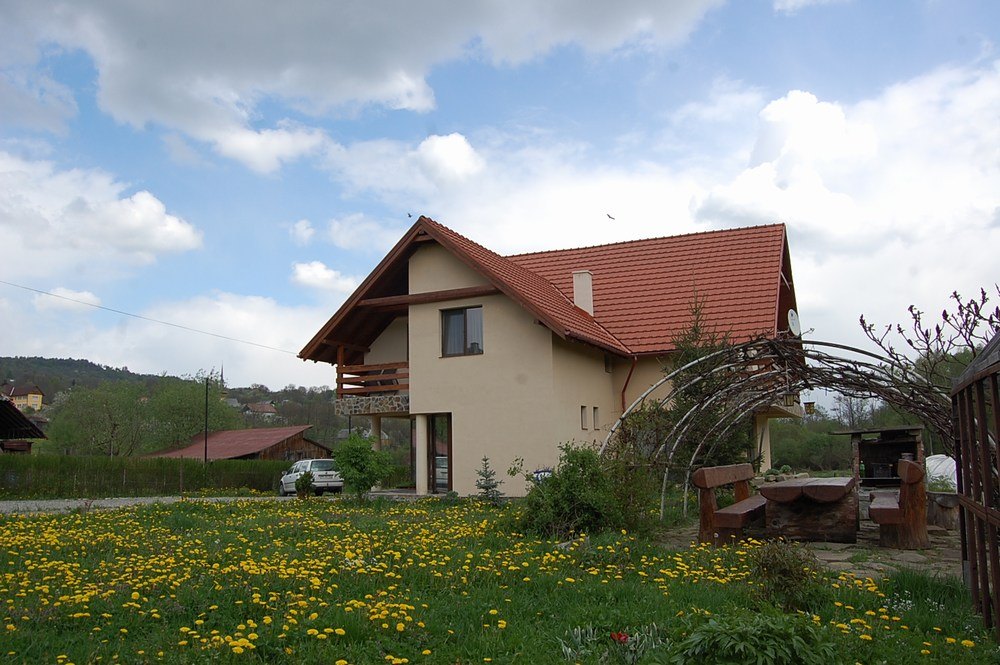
(583, 290)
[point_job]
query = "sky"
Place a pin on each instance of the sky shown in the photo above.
(238, 167)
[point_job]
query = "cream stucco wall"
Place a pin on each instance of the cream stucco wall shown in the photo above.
(433, 268)
(579, 382)
(501, 401)
(391, 345)
(648, 370)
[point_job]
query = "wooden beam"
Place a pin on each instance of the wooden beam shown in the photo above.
(346, 345)
(430, 296)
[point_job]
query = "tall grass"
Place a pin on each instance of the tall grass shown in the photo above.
(61, 476)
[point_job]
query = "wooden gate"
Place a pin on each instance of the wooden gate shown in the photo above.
(976, 410)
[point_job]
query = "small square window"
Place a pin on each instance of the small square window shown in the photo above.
(462, 331)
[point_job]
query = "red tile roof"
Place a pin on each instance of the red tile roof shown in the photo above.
(23, 390)
(644, 289)
(229, 444)
(529, 288)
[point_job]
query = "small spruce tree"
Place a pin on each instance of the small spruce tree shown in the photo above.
(488, 484)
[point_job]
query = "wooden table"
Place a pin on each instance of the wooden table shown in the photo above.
(816, 509)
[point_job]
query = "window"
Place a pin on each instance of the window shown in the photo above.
(597, 419)
(583, 417)
(462, 331)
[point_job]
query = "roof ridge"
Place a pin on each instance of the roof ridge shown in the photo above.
(642, 240)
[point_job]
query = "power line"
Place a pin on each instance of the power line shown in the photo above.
(146, 318)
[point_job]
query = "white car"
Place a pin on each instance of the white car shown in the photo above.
(324, 472)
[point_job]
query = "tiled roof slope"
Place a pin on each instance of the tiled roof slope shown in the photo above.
(534, 291)
(229, 444)
(643, 289)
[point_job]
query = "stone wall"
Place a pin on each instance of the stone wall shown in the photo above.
(378, 404)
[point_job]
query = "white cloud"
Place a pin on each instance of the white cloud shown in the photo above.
(265, 151)
(359, 232)
(66, 221)
(891, 201)
(66, 299)
(317, 275)
(302, 232)
(792, 6)
(148, 347)
(449, 159)
(207, 78)
(34, 101)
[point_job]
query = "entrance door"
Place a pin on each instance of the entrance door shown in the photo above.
(439, 450)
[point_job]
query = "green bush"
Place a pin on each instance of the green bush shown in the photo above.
(754, 638)
(361, 466)
(304, 484)
(578, 497)
(787, 575)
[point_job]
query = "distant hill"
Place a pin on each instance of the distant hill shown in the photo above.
(54, 375)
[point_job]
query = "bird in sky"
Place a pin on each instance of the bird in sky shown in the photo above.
(609, 216)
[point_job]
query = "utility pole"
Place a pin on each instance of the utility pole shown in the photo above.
(206, 421)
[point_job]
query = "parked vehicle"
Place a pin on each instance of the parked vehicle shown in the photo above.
(324, 472)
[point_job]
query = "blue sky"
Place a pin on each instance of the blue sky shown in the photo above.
(239, 167)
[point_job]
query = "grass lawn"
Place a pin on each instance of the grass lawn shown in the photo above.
(323, 581)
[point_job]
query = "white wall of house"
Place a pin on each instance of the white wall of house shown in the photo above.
(581, 384)
(391, 345)
(501, 401)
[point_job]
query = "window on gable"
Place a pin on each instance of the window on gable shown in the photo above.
(462, 331)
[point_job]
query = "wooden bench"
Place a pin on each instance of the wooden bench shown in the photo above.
(722, 525)
(902, 516)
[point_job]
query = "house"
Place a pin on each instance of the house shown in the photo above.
(262, 410)
(24, 396)
(14, 428)
(506, 357)
(266, 443)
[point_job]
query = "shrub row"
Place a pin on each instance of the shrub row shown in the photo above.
(63, 476)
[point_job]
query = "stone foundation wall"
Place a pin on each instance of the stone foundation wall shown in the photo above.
(366, 406)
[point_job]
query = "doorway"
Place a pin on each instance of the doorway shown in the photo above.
(439, 451)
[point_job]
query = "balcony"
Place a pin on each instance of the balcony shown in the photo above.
(373, 389)
(368, 380)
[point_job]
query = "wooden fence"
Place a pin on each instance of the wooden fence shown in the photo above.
(976, 410)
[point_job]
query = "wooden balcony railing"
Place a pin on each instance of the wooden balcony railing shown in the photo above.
(368, 380)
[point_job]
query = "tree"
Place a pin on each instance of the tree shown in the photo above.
(704, 444)
(177, 409)
(110, 419)
(360, 465)
(939, 353)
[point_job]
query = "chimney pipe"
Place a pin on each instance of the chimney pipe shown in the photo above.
(583, 290)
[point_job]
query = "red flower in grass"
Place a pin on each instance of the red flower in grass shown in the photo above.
(621, 638)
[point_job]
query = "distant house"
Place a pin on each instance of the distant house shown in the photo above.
(507, 356)
(266, 443)
(262, 410)
(24, 396)
(15, 428)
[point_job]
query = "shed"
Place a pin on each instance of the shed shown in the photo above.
(266, 443)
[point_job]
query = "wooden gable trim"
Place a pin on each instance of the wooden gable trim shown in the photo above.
(429, 297)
